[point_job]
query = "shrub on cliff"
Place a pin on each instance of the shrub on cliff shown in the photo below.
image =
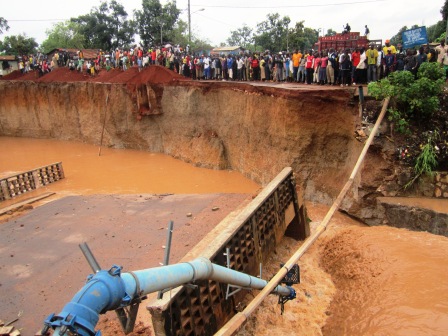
(412, 99)
(415, 105)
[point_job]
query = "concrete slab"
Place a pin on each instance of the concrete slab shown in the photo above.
(42, 267)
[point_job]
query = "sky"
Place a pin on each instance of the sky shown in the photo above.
(218, 18)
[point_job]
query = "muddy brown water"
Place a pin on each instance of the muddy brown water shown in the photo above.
(356, 280)
(116, 171)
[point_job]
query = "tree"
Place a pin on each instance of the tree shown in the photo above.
(241, 37)
(302, 38)
(396, 39)
(3, 25)
(64, 35)
(155, 22)
(200, 46)
(444, 11)
(435, 31)
(272, 34)
(180, 33)
(19, 45)
(331, 32)
(106, 26)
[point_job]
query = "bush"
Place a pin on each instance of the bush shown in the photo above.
(412, 99)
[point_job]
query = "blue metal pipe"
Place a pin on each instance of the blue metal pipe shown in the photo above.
(109, 290)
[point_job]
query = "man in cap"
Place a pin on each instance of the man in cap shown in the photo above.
(387, 46)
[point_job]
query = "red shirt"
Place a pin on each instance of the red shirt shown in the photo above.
(309, 62)
(356, 56)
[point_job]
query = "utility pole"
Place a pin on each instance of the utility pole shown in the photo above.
(189, 23)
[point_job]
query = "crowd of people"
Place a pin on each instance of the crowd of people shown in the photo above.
(328, 67)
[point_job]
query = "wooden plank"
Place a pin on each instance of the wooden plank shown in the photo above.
(27, 201)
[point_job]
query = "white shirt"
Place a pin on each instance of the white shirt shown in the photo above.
(379, 58)
(206, 62)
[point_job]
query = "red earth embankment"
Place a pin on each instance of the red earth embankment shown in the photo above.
(256, 130)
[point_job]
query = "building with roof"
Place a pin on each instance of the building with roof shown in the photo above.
(89, 54)
(8, 63)
(227, 50)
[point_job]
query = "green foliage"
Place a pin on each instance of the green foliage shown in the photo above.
(155, 22)
(301, 37)
(444, 11)
(414, 100)
(411, 99)
(106, 26)
(436, 30)
(19, 45)
(272, 34)
(64, 35)
(330, 32)
(3, 25)
(426, 162)
(401, 124)
(241, 37)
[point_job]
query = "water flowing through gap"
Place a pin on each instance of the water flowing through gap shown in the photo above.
(388, 280)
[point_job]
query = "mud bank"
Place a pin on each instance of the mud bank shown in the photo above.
(255, 130)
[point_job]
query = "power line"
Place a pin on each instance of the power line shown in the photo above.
(44, 20)
(289, 6)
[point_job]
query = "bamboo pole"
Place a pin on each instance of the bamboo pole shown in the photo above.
(104, 125)
(231, 327)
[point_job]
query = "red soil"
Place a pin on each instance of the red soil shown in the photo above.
(154, 74)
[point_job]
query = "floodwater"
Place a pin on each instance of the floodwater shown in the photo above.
(115, 171)
(359, 280)
(356, 280)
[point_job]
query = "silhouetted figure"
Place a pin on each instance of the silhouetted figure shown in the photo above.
(347, 29)
(367, 32)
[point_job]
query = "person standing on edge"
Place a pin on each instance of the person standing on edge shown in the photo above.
(441, 50)
(323, 69)
(379, 64)
(372, 56)
(295, 64)
(361, 69)
(230, 66)
(387, 46)
(356, 55)
(390, 62)
(331, 66)
(309, 66)
(239, 68)
(367, 32)
(255, 64)
(345, 67)
(301, 74)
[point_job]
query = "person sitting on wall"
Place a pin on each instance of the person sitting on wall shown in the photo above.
(347, 29)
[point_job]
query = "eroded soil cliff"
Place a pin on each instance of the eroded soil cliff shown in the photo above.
(254, 129)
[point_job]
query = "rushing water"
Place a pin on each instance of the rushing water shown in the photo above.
(384, 281)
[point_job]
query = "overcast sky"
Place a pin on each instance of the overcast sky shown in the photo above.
(383, 17)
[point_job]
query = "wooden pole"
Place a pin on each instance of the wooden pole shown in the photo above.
(231, 327)
(104, 125)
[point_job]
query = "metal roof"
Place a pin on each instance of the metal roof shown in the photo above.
(8, 58)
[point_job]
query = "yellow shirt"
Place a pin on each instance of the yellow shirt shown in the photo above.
(392, 49)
